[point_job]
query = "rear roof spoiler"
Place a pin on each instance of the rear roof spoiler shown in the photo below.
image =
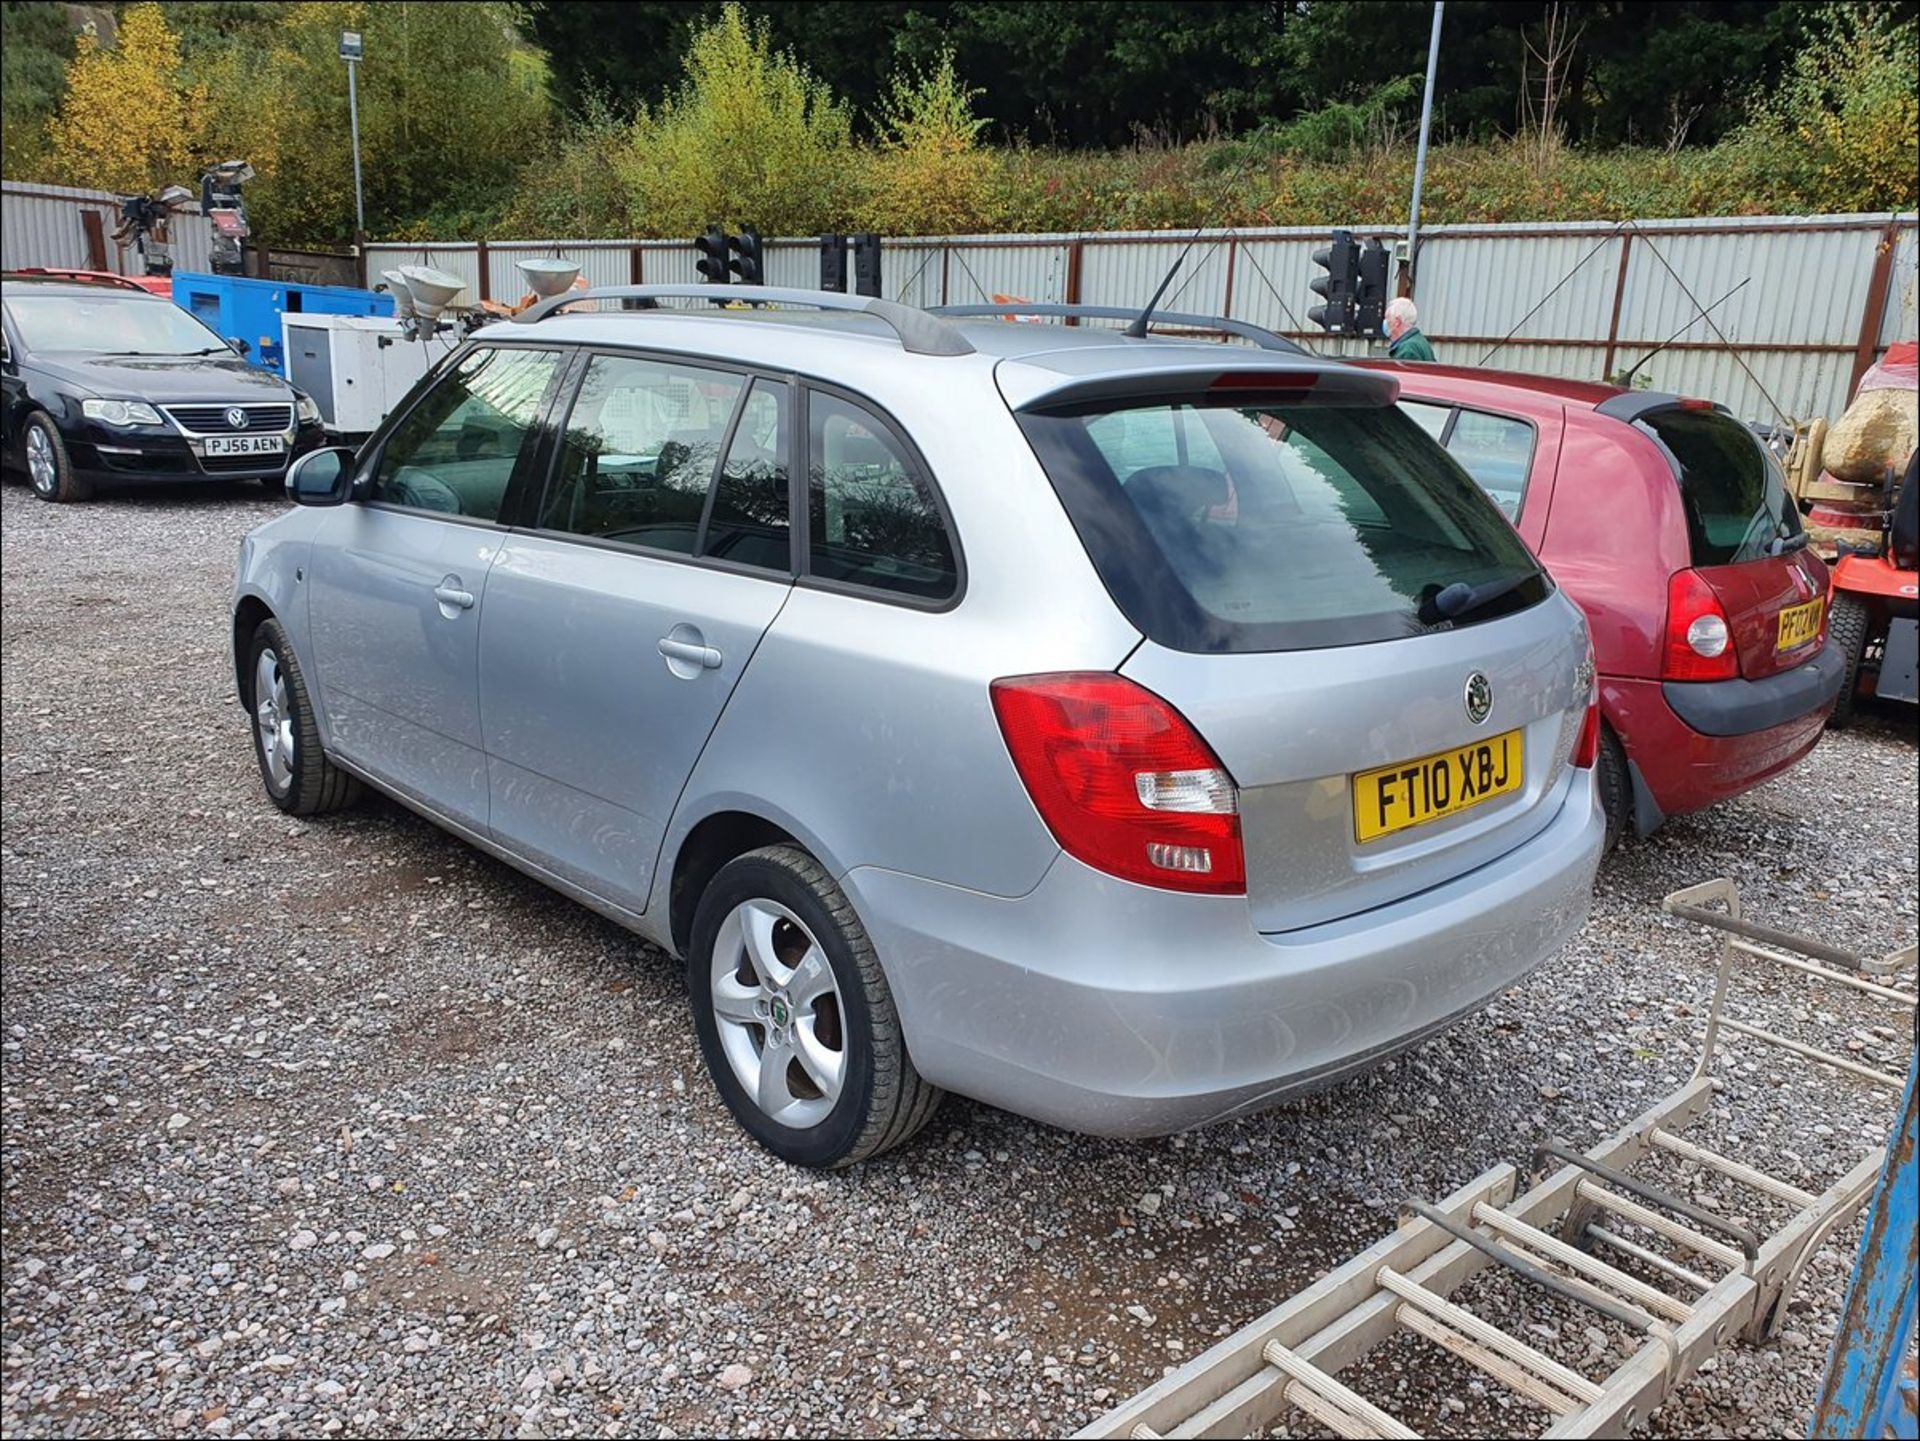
(1635, 405)
(1028, 386)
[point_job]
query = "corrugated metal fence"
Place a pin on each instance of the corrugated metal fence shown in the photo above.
(58, 225)
(1796, 307)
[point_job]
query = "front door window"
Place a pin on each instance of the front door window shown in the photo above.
(456, 451)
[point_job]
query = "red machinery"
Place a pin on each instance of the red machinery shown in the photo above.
(1876, 609)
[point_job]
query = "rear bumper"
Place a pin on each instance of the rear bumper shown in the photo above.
(1114, 1009)
(1765, 726)
(1744, 707)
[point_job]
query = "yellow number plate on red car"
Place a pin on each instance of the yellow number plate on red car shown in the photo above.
(1800, 624)
(1412, 793)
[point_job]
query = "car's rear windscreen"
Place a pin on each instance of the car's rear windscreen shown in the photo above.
(1735, 498)
(1248, 526)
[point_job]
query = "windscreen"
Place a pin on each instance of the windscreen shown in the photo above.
(1735, 498)
(1245, 526)
(109, 324)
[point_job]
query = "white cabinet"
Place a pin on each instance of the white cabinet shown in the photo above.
(357, 368)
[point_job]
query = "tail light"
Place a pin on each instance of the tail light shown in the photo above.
(1586, 750)
(1699, 642)
(1123, 782)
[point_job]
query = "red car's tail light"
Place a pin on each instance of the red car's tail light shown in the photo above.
(1586, 750)
(1699, 644)
(1123, 782)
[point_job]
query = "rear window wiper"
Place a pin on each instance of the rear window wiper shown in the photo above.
(1458, 600)
(1784, 543)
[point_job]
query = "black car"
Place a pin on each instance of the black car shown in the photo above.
(107, 384)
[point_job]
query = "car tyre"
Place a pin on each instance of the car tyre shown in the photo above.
(1847, 627)
(49, 468)
(1611, 778)
(286, 743)
(795, 1017)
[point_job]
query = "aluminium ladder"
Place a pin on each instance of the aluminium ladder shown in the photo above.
(1695, 1282)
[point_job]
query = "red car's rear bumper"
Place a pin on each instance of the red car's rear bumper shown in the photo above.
(1752, 731)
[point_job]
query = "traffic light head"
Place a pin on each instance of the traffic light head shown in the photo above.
(1370, 293)
(749, 256)
(1339, 260)
(713, 264)
(866, 263)
(833, 262)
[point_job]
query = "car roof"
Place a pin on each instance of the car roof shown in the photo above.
(862, 350)
(115, 286)
(1587, 394)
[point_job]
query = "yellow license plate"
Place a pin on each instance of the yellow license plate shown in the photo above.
(1412, 793)
(1800, 623)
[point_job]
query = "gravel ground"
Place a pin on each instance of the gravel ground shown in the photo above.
(344, 1128)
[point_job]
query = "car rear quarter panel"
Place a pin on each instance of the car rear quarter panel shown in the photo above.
(872, 720)
(1616, 533)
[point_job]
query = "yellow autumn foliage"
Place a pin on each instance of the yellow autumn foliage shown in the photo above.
(930, 175)
(127, 123)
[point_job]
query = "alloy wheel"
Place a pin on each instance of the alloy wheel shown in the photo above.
(42, 469)
(273, 718)
(778, 1011)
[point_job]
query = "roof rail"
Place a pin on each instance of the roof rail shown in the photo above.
(920, 333)
(1259, 335)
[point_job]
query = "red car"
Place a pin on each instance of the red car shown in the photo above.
(1671, 526)
(160, 285)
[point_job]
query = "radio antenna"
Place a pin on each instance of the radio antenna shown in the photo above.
(1138, 329)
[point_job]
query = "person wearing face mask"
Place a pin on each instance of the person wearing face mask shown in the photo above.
(1404, 340)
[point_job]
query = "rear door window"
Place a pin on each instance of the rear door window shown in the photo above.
(1288, 526)
(873, 520)
(749, 521)
(1731, 490)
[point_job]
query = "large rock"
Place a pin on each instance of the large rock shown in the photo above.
(1879, 430)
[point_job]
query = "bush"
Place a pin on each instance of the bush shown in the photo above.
(749, 139)
(930, 175)
(577, 191)
(1344, 128)
(1842, 133)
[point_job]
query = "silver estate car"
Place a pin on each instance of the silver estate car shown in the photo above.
(1128, 732)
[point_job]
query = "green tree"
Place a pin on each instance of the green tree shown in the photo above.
(33, 79)
(1842, 132)
(750, 137)
(125, 122)
(929, 175)
(452, 104)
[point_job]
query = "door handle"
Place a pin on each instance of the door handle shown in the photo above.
(453, 595)
(704, 656)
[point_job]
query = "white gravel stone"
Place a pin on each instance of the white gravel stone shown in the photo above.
(362, 996)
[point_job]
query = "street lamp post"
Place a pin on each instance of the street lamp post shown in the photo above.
(1420, 160)
(352, 50)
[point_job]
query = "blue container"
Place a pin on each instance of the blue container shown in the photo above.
(242, 308)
